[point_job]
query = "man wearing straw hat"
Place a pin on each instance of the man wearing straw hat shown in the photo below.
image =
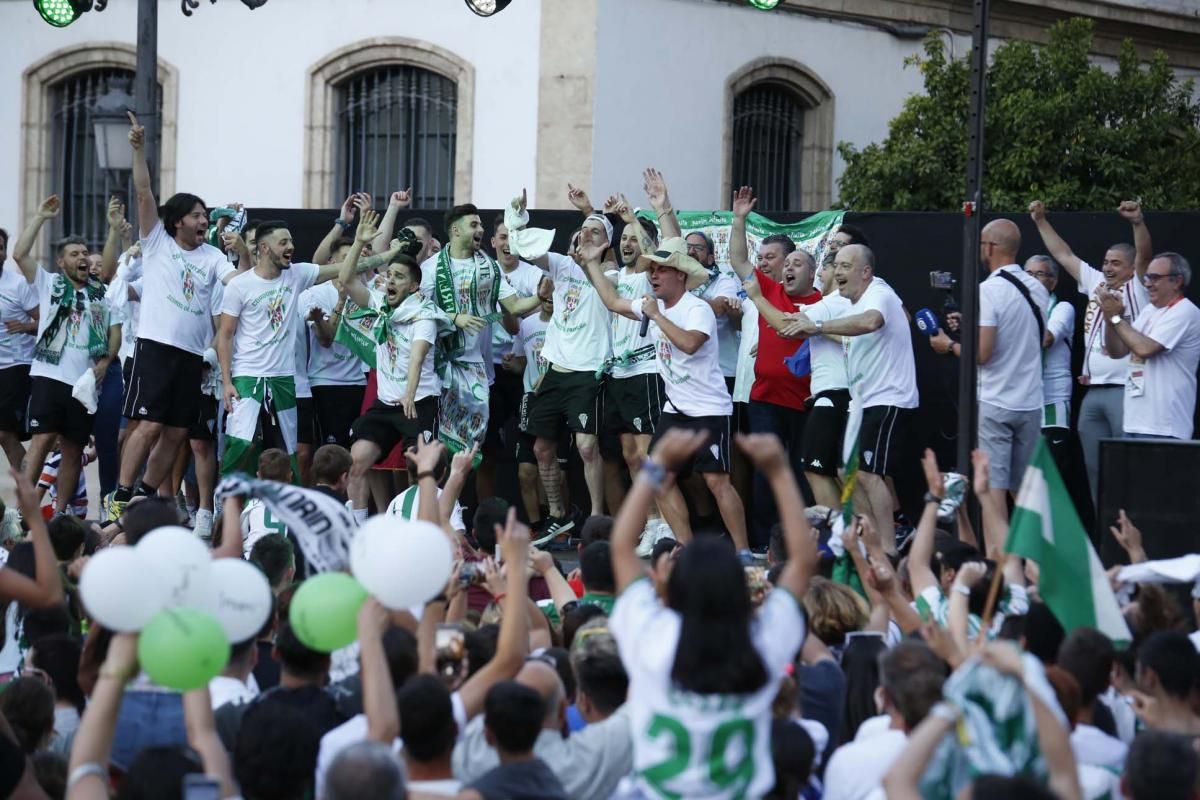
(688, 359)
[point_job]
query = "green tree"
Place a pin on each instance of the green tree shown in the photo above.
(1058, 128)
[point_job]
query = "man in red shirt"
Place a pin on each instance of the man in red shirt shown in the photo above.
(778, 398)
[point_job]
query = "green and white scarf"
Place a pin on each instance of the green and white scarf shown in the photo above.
(451, 347)
(362, 338)
(66, 298)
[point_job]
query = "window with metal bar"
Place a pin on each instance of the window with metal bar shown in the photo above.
(396, 127)
(768, 144)
(76, 174)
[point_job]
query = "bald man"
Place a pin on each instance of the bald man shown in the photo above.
(1012, 326)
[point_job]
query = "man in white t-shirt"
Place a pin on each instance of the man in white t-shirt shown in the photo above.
(180, 272)
(910, 683)
(1012, 329)
(257, 345)
(77, 332)
(1056, 362)
(18, 325)
(883, 376)
(688, 359)
(468, 286)
(1163, 344)
(1100, 414)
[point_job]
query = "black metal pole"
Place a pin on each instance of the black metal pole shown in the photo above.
(968, 408)
(145, 86)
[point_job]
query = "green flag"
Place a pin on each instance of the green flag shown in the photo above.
(1045, 529)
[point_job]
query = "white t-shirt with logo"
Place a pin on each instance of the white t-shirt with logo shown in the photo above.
(694, 384)
(1056, 360)
(468, 279)
(524, 280)
(531, 338)
(129, 276)
(1008, 379)
(17, 298)
(177, 288)
(334, 365)
(75, 358)
(1097, 364)
(578, 338)
(626, 332)
(727, 336)
(391, 357)
(880, 364)
(827, 355)
(678, 736)
(1166, 404)
(265, 345)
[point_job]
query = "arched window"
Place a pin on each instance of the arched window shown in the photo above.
(768, 145)
(779, 136)
(76, 175)
(396, 127)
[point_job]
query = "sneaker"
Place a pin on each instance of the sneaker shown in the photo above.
(649, 538)
(956, 491)
(550, 529)
(203, 525)
(760, 553)
(112, 507)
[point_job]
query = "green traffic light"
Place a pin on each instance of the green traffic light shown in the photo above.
(764, 5)
(59, 13)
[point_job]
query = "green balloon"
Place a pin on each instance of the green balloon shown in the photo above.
(181, 648)
(324, 611)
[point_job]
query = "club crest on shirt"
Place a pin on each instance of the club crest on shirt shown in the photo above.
(637, 423)
(583, 420)
(275, 308)
(571, 301)
(868, 455)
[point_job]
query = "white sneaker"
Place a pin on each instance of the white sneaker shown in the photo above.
(204, 524)
(646, 543)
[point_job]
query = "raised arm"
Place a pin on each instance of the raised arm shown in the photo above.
(50, 208)
(387, 226)
(347, 271)
(112, 243)
(766, 452)
(346, 217)
(576, 196)
(1143, 247)
(202, 736)
(739, 254)
(45, 589)
(604, 287)
(460, 467)
(920, 573)
(1059, 250)
(378, 696)
(147, 204)
(93, 739)
(560, 591)
(232, 544)
(656, 191)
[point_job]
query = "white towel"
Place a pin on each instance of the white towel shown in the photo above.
(526, 243)
(86, 391)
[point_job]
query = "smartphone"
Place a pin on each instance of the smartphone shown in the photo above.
(450, 646)
(200, 787)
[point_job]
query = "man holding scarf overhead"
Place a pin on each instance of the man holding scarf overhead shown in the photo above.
(467, 285)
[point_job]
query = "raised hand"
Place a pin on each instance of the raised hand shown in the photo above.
(122, 659)
(464, 459)
(367, 228)
(970, 573)
(1128, 536)
(50, 208)
(373, 620)
(933, 474)
(349, 210)
(363, 201)
(514, 540)
(426, 455)
(764, 450)
(402, 199)
(27, 496)
(625, 211)
(677, 446)
(521, 203)
(656, 189)
(612, 204)
(116, 213)
(743, 202)
(578, 198)
(1037, 210)
(1131, 210)
(137, 133)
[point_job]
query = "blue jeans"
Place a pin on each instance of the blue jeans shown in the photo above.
(147, 719)
(107, 425)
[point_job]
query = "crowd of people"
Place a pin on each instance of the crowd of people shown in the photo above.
(724, 415)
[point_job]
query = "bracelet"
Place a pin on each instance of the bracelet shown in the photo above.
(653, 473)
(497, 598)
(958, 587)
(945, 711)
(342, 223)
(665, 211)
(426, 474)
(86, 771)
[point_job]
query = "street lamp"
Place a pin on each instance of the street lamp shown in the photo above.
(61, 13)
(486, 8)
(764, 5)
(110, 125)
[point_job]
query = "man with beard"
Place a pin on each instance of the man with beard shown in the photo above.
(77, 331)
(468, 286)
(778, 399)
(259, 366)
(1101, 414)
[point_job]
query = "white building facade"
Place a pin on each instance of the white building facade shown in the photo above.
(296, 103)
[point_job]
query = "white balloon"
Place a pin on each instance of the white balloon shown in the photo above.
(401, 562)
(242, 598)
(120, 590)
(184, 563)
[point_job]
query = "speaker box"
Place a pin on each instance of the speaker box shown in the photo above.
(1157, 482)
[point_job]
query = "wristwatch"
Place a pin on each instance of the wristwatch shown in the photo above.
(820, 325)
(930, 497)
(1115, 319)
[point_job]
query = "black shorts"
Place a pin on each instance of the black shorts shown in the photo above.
(882, 437)
(387, 426)
(14, 400)
(336, 408)
(525, 454)
(163, 385)
(821, 450)
(204, 429)
(633, 405)
(305, 421)
(52, 409)
(714, 455)
(570, 397)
